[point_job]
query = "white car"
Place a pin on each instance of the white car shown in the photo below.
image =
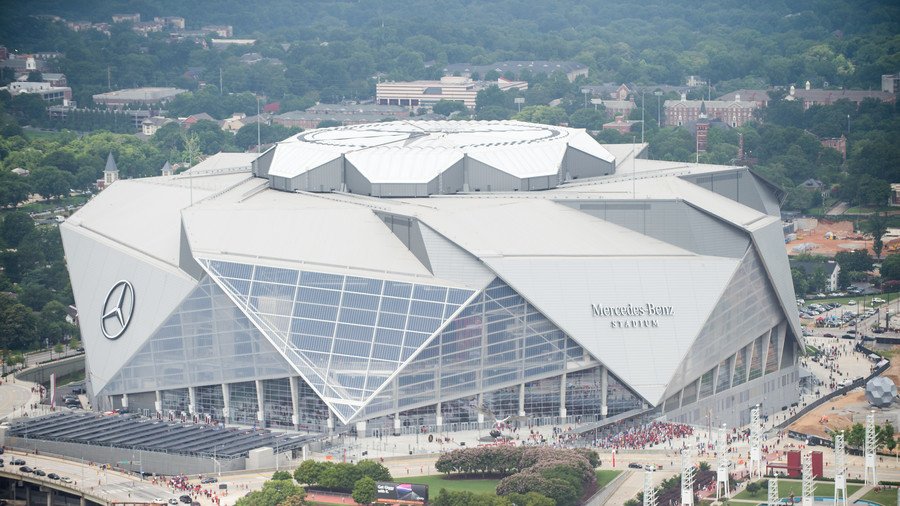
(851, 302)
(65, 479)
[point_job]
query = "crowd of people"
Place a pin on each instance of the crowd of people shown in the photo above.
(644, 436)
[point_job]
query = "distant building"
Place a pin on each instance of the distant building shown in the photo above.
(609, 91)
(695, 81)
(193, 119)
(166, 169)
(890, 83)
(221, 43)
(171, 21)
(702, 129)
(812, 184)
(839, 144)
(150, 125)
(617, 107)
(110, 173)
(240, 120)
(761, 97)
(733, 113)
(830, 268)
(811, 97)
(895, 194)
(220, 30)
(621, 125)
(427, 93)
(385, 111)
(44, 90)
(571, 69)
(137, 97)
(126, 18)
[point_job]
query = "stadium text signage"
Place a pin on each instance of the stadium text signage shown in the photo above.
(632, 316)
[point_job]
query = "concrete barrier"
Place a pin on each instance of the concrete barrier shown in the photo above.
(41, 372)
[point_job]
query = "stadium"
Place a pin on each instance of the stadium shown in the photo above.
(413, 275)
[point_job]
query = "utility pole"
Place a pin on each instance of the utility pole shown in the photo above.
(220, 81)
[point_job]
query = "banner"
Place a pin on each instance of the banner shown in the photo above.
(400, 493)
(53, 390)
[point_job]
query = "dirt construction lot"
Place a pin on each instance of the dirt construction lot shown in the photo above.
(814, 241)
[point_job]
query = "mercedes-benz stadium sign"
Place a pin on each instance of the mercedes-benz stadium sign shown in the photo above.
(117, 310)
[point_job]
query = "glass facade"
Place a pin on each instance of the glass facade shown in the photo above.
(756, 363)
(313, 411)
(706, 383)
(206, 340)
(542, 397)
(210, 401)
(501, 403)
(621, 399)
(772, 353)
(584, 392)
(497, 340)
(345, 334)
(175, 400)
(243, 403)
(277, 405)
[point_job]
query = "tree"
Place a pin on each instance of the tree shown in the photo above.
(211, 138)
(374, 470)
(273, 493)
(877, 226)
(51, 182)
(364, 490)
(307, 473)
(590, 119)
(16, 226)
(543, 114)
(752, 488)
(13, 189)
(448, 107)
(281, 475)
(890, 268)
(801, 285)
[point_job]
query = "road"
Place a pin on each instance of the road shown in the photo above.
(14, 395)
(110, 485)
(838, 209)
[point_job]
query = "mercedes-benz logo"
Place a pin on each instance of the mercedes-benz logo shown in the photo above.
(116, 313)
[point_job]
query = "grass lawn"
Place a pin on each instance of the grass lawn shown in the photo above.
(887, 497)
(437, 482)
(786, 487)
(867, 210)
(605, 476)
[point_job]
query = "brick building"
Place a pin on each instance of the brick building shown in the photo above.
(733, 113)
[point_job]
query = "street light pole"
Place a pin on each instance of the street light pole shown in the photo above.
(658, 117)
(642, 115)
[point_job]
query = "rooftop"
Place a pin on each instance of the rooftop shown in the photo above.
(140, 94)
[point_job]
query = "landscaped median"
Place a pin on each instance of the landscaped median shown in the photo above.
(795, 487)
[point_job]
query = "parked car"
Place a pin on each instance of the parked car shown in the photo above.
(53, 476)
(186, 499)
(65, 479)
(26, 469)
(17, 462)
(39, 472)
(209, 479)
(635, 465)
(828, 334)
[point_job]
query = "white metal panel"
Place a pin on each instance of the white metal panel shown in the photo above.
(564, 290)
(292, 159)
(450, 262)
(95, 265)
(394, 164)
(769, 242)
